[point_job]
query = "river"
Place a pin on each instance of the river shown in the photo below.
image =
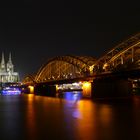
(33, 117)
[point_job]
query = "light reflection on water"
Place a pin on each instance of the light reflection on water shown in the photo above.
(46, 118)
(30, 115)
(75, 95)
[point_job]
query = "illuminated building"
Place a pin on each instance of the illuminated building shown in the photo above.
(7, 73)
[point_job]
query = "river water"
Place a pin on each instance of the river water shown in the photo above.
(44, 118)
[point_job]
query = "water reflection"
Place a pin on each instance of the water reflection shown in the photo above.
(43, 118)
(86, 118)
(73, 99)
(30, 117)
(73, 95)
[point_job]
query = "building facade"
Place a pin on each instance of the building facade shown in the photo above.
(7, 73)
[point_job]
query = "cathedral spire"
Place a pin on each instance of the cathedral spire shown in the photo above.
(10, 66)
(2, 60)
(10, 59)
(3, 63)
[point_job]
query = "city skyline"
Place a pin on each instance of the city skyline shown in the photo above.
(35, 31)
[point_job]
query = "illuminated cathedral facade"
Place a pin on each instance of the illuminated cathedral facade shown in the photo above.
(7, 73)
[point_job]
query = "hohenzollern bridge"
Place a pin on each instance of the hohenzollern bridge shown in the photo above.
(117, 67)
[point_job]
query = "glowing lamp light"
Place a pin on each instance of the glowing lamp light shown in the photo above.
(86, 84)
(86, 89)
(31, 89)
(105, 65)
(57, 87)
(91, 68)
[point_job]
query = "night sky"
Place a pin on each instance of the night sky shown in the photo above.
(34, 31)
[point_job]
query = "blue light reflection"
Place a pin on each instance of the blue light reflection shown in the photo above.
(73, 95)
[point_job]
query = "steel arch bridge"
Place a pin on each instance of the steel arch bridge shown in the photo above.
(124, 56)
(29, 79)
(65, 67)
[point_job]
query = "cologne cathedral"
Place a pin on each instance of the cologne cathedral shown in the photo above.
(7, 74)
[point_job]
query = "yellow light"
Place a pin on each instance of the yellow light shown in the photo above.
(91, 68)
(30, 97)
(31, 89)
(105, 65)
(86, 89)
(57, 87)
(86, 84)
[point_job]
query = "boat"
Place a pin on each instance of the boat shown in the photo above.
(10, 91)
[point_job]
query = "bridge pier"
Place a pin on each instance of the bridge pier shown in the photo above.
(111, 87)
(45, 90)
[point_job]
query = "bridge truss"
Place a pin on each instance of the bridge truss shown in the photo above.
(124, 56)
(65, 67)
(29, 79)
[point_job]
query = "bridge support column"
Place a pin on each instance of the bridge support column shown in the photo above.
(111, 88)
(45, 90)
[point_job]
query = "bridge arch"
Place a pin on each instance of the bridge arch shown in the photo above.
(28, 79)
(64, 67)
